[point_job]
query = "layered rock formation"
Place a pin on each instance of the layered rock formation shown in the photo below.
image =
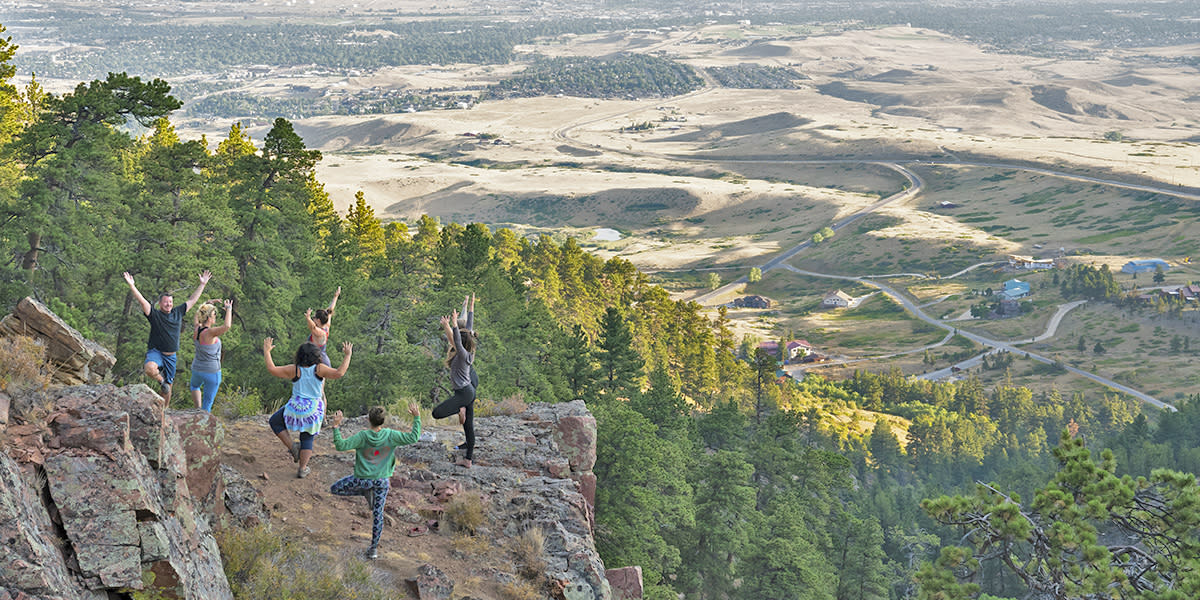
(101, 490)
(76, 359)
(96, 498)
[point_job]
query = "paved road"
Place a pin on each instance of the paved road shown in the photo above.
(995, 345)
(915, 185)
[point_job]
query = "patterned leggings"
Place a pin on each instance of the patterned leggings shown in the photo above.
(376, 491)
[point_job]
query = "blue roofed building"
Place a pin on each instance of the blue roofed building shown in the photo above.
(1148, 265)
(1015, 289)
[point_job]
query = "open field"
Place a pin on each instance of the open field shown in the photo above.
(1156, 353)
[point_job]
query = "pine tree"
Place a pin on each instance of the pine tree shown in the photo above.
(1055, 544)
(581, 367)
(643, 500)
(620, 365)
(726, 519)
(366, 232)
(885, 448)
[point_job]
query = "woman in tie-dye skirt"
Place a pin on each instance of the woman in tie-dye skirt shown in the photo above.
(305, 411)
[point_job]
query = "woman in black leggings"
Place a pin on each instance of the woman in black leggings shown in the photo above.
(459, 358)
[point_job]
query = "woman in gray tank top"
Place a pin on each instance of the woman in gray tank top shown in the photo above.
(206, 366)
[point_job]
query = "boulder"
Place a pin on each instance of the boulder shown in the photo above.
(201, 435)
(30, 560)
(576, 438)
(528, 478)
(626, 583)
(76, 359)
(245, 504)
(431, 584)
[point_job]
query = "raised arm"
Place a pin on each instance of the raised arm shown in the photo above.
(330, 373)
(401, 438)
(447, 330)
(138, 295)
(284, 372)
(471, 314)
(456, 335)
(468, 308)
(213, 332)
(191, 301)
(333, 303)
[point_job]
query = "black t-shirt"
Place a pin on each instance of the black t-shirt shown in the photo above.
(165, 327)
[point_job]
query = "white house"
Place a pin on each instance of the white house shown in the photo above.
(838, 299)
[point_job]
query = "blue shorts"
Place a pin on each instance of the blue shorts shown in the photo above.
(165, 362)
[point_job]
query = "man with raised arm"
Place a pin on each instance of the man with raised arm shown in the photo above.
(166, 321)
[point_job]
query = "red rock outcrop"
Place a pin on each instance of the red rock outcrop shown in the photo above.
(95, 497)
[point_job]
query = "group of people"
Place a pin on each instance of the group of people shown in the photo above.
(304, 413)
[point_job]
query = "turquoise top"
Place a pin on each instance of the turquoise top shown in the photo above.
(376, 450)
(308, 386)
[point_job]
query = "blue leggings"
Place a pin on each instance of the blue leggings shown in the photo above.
(277, 425)
(376, 491)
(208, 383)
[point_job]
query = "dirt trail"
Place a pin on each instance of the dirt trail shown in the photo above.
(342, 525)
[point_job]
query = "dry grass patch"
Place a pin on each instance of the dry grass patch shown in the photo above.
(465, 512)
(528, 548)
(262, 563)
(522, 590)
(510, 406)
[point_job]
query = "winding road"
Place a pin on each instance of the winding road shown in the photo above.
(914, 188)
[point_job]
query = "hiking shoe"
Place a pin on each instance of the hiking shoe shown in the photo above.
(302, 473)
(371, 554)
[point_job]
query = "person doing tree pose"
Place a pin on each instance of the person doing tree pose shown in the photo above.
(374, 462)
(468, 309)
(459, 357)
(206, 364)
(305, 411)
(318, 326)
(165, 324)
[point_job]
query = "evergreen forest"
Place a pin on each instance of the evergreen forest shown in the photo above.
(716, 477)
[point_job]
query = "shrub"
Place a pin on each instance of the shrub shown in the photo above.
(24, 375)
(238, 402)
(528, 548)
(465, 512)
(475, 548)
(261, 563)
(23, 364)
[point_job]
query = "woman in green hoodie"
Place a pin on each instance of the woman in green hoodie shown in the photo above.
(374, 462)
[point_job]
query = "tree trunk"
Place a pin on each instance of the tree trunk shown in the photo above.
(30, 261)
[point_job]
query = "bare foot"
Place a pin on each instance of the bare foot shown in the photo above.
(466, 462)
(462, 415)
